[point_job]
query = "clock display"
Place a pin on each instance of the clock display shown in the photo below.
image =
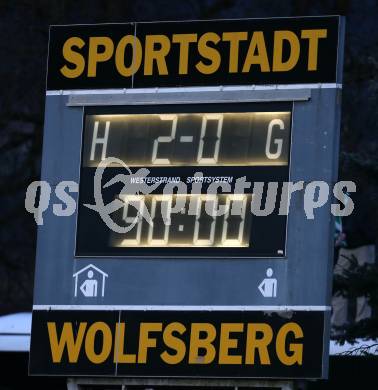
(197, 220)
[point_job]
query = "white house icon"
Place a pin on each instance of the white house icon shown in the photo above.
(89, 287)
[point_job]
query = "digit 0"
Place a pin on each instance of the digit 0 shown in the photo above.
(166, 207)
(205, 119)
(234, 199)
(207, 241)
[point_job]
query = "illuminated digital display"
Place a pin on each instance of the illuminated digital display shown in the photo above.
(196, 139)
(175, 144)
(197, 223)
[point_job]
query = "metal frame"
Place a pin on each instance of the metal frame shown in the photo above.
(195, 96)
(69, 107)
(54, 148)
(80, 383)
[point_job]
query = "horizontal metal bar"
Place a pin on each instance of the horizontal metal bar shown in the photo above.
(224, 96)
(182, 307)
(252, 87)
(75, 383)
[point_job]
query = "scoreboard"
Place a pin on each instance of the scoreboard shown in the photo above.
(175, 143)
(175, 263)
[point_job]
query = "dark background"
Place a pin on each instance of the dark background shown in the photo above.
(23, 51)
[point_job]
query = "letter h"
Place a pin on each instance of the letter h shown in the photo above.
(100, 141)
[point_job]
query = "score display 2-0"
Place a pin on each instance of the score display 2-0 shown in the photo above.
(197, 139)
(178, 142)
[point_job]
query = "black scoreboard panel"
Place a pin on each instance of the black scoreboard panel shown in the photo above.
(193, 145)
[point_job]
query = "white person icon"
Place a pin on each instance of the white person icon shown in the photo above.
(268, 287)
(89, 286)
